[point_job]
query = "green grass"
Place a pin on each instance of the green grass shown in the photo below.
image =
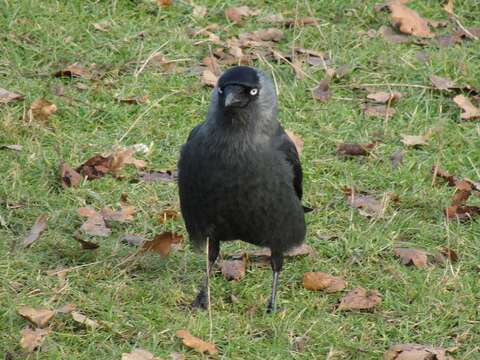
(140, 303)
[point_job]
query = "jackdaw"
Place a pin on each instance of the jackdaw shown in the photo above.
(240, 176)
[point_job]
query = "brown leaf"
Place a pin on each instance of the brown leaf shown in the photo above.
(270, 34)
(414, 352)
(300, 21)
(162, 243)
(442, 83)
(132, 239)
(177, 356)
(134, 99)
(360, 299)
(449, 253)
(470, 111)
(397, 158)
(68, 176)
(462, 212)
(32, 339)
(199, 11)
(462, 193)
(355, 149)
(38, 227)
(121, 157)
(323, 281)
(408, 21)
(322, 91)
(139, 354)
(9, 96)
(103, 25)
(209, 78)
(82, 319)
(437, 171)
(297, 141)
(392, 36)
(414, 140)
(66, 308)
(86, 245)
(39, 317)
(196, 343)
(448, 7)
(95, 224)
(411, 256)
(300, 250)
(164, 3)
(40, 110)
(74, 70)
(162, 175)
(14, 147)
(167, 214)
(378, 110)
(383, 97)
(233, 269)
(95, 167)
(367, 205)
(123, 215)
(236, 14)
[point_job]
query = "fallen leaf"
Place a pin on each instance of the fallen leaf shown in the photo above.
(300, 343)
(442, 83)
(123, 215)
(86, 245)
(177, 356)
(132, 239)
(14, 147)
(164, 3)
(95, 224)
(40, 110)
(39, 317)
(95, 167)
(159, 60)
(167, 214)
(74, 70)
(82, 319)
(449, 253)
(236, 14)
(437, 171)
(297, 141)
(414, 352)
(161, 175)
(66, 308)
(196, 343)
(233, 269)
(462, 212)
(9, 96)
(270, 34)
(383, 97)
(162, 243)
(323, 281)
(411, 256)
(32, 339)
(366, 204)
(360, 299)
(470, 111)
(68, 176)
(209, 78)
(300, 21)
(355, 149)
(448, 7)
(300, 250)
(139, 354)
(322, 91)
(134, 99)
(378, 110)
(38, 227)
(414, 140)
(408, 21)
(463, 191)
(392, 36)
(121, 157)
(397, 158)
(199, 11)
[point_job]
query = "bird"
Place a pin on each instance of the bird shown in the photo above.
(240, 176)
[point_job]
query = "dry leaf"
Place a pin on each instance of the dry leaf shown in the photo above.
(159, 60)
(196, 343)
(68, 176)
(123, 215)
(199, 11)
(66, 309)
(378, 111)
(408, 21)
(32, 339)
(437, 171)
(462, 212)
(162, 243)
(86, 245)
(355, 149)
(360, 299)
(463, 191)
(14, 147)
(470, 111)
(236, 14)
(38, 227)
(414, 352)
(301, 250)
(95, 167)
(134, 240)
(95, 224)
(82, 319)
(167, 214)
(442, 83)
(72, 71)
(9, 96)
(121, 157)
(134, 99)
(367, 205)
(392, 36)
(297, 141)
(414, 140)
(323, 281)
(177, 356)
(233, 269)
(448, 7)
(40, 110)
(397, 158)
(411, 256)
(162, 175)
(384, 97)
(449, 253)
(209, 78)
(139, 354)
(322, 91)
(39, 317)
(164, 3)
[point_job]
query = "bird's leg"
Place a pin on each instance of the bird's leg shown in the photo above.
(277, 262)
(201, 301)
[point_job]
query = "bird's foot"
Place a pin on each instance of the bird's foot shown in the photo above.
(201, 301)
(271, 307)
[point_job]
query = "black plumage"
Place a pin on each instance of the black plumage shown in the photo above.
(240, 175)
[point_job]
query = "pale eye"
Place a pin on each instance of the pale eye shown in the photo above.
(254, 92)
(220, 91)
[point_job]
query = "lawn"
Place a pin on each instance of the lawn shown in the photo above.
(139, 299)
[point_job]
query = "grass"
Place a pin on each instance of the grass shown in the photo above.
(140, 303)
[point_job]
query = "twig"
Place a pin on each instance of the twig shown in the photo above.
(277, 89)
(465, 29)
(277, 54)
(150, 57)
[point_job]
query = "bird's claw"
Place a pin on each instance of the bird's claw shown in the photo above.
(201, 301)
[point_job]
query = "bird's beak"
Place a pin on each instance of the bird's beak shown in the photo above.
(234, 96)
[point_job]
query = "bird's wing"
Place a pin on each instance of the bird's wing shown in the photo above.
(194, 131)
(287, 147)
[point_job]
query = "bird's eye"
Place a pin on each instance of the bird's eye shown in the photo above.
(254, 92)
(220, 91)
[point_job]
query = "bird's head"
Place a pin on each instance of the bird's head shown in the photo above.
(246, 93)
